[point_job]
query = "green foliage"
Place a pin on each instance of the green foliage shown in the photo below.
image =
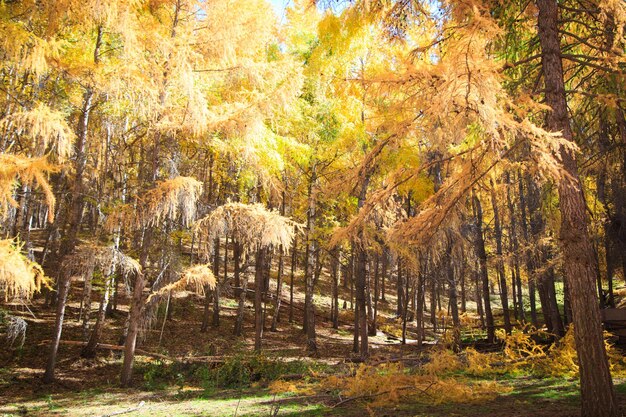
(236, 372)
(243, 370)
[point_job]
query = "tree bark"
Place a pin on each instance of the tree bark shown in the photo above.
(75, 210)
(597, 392)
(504, 295)
(258, 298)
(89, 351)
(482, 263)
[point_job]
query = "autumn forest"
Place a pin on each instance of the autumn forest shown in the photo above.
(300, 207)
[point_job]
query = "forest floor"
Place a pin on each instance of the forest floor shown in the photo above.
(216, 374)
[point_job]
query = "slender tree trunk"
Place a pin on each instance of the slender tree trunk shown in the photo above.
(89, 351)
(433, 302)
(85, 312)
(452, 297)
(294, 261)
(360, 286)
(241, 308)
(136, 310)
(63, 289)
(309, 271)
(75, 215)
(237, 265)
(279, 278)
(279, 290)
(383, 274)
(597, 392)
(334, 270)
(530, 266)
(482, 263)
(479, 296)
(400, 291)
(419, 309)
(258, 298)
(376, 293)
(504, 299)
(216, 290)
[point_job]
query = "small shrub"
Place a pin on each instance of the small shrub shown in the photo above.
(244, 370)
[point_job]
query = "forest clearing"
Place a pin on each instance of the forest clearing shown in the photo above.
(301, 207)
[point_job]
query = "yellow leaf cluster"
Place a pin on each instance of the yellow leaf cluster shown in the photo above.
(195, 278)
(28, 171)
(19, 276)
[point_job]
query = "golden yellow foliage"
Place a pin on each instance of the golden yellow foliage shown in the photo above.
(28, 171)
(195, 278)
(47, 129)
(391, 383)
(19, 276)
(442, 361)
(252, 225)
(171, 198)
(280, 386)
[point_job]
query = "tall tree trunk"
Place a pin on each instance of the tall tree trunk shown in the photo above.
(75, 210)
(241, 308)
(452, 297)
(258, 298)
(134, 317)
(279, 278)
(334, 271)
(216, 290)
(294, 261)
(478, 295)
(310, 267)
(504, 296)
(89, 351)
(400, 290)
(419, 309)
(482, 263)
(237, 265)
(530, 264)
(597, 392)
(376, 293)
(433, 302)
(279, 291)
(360, 286)
(63, 289)
(383, 274)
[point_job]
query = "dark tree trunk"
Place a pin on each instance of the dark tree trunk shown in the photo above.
(89, 351)
(216, 290)
(75, 210)
(433, 302)
(63, 289)
(504, 296)
(376, 293)
(530, 265)
(478, 295)
(383, 274)
(482, 263)
(597, 392)
(294, 261)
(237, 265)
(419, 309)
(452, 297)
(334, 271)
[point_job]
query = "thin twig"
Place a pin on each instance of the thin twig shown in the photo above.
(128, 410)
